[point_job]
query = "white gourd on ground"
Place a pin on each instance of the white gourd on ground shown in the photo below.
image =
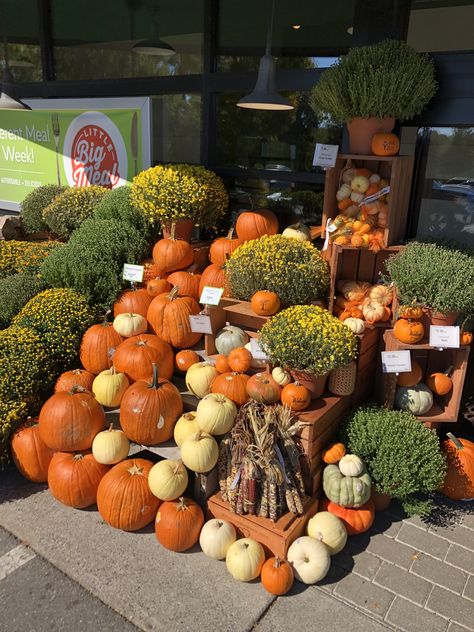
(216, 538)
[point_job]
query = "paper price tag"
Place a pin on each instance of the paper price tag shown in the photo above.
(256, 350)
(444, 337)
(200, 324)
(325, 155)
(396, 361)
(211, 295)
(133, 273)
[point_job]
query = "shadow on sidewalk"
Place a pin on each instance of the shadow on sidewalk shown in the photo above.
(14, 487)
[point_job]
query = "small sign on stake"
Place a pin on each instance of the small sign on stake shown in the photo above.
(396, 361)
(211, 295)
(133, 273)
(444, 337)
(325, 155)
(200, 324)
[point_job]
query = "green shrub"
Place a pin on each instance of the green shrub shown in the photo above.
(16, 291)
(116, 204)
(60, 317)
(12, 415)
(34, 204)
(69, 209)
(403, 457)
(92, 261)
(23, 256)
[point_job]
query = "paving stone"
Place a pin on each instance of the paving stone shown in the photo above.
(468, 518)
(469, 589)
(454, 627)
(461, 558)
(384, 523)
(358, 543)
(404, 615)
(417, 522)
(456, 534)
(439, 573)
(364, 594)
(7, 542)
(452, 606)
(405, 584)
(363, 563)
(391, 550)
(335, 574)
(423, 541)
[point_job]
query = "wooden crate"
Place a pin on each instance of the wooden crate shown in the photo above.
(275, 537)
(445, 409)
(397, 170)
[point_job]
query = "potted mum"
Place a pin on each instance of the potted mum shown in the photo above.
(184, 195)
(309, 342)
(372, 86)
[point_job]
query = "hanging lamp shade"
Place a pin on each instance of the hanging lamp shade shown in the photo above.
(7, 94)
(155, 46)
(265, 96)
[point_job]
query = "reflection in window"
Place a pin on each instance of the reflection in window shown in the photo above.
(447, 205)
(19, 37)
(281, 141)
(94, 40)
(176, 124)
(441, 25)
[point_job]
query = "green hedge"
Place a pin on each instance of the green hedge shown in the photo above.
(34, 204)
(15, 292)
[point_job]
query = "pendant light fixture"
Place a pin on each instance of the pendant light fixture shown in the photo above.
(265, 96)
(154, 46)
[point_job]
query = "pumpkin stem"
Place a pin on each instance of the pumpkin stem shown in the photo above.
(179, 465)
(77, 389)
(135, 470)
(277, 562)
(230, 233)
(455, 440)
(78, 457)
(112, 370)
(110, 428)
(174, 293)
(105, 322)
(173, 230)
(448, 370)
(154, 382)
(181, 503)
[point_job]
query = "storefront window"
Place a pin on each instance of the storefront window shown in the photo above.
(176, 124)
(447, 204)
(94, 40)
(438, 25)
(19, 39)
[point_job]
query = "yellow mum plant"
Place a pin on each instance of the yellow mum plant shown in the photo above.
(12, 415)
(308, 338)
(23, 256)
(168, 193)
(293, 269)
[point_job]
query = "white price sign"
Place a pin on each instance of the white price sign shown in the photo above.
(396, 361)
(325, 155)
(133, 273)
(256, 350)
(200, 324)
(211, 295)
(444, 337)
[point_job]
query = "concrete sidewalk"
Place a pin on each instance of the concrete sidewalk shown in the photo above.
(404, 575)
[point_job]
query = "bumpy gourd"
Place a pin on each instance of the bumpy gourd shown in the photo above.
(348, 491)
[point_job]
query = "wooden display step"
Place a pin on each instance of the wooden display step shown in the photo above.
(275, 537)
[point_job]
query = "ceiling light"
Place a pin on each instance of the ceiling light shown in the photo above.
(296, 27)
(153, 47)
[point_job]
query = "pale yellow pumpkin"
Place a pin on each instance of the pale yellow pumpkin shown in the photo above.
(244, 559)
(328, 529)
(128, 325)
(373, 312)
(297, 231)
(168, 479)
(380, 295)
(281, 376)
(199, 378)
(343, 192)
(109, 387)
(216, 537)
(360, 184)
(185, 426)
(356, 325)
(216, 414)
(309, 558)
(110, 446)
(200, 452)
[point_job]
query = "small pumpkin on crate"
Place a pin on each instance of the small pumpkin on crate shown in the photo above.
(334, 453)
(410, 312)
(296, 396)
(410, 378)
(265, 303)
(185, 359)
(263, 388)
(409, 331)
(239, 360)
(440, 382)
(465, 338)
(416, 399)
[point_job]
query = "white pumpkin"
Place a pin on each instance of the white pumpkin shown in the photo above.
(216, 414)
(110, 446)
(216, 537)
(199, 378)
(351, 465)
(343, 192)
(374, 178)
(199, 452)
(356, 325)
(357, 197)
(297, 231)
(244, 559)
(380, 295)
(415, 399)
(229, 338)
(109, 387)
(328, 529)
(185, 426)
(309, 558)
(168, 479)
(281, 376)
(128, 325)
(360, 184)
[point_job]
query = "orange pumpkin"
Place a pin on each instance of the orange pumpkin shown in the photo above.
(334, 453)
(296, 396)
(255, 224)
(135, 357)
(385, 144)
(98, 347)
(277, 576)
(459, 480)
(363, 171)
(465, 338)
(239, 360)
(223, 247)
(150, 409)
(232, 385)
(265, 303)
(439, 383)
(151, 270)
(410, 378)
(172, 254)
(186, 282)
(178, 524)
(410, 312)
(168, 316)
(124, 499)
(263, 388)
(222, 364)
(77, 377)
(73, 478)
(158, 286)
(213, 276)
(134, 301)
(30, 453)
(186, 358)
(357, 241)
(355, 520)
(408, 331)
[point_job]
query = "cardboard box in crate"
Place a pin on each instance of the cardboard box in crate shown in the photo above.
(445, 409)
(275, 537)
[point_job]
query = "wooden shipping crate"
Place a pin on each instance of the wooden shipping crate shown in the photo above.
(322, 413)
(275, 537)
(445, 409)
(312, 477)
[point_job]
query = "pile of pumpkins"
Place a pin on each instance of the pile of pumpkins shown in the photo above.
(359, 302)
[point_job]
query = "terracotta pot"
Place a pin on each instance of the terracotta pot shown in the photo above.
(183, 229)
(361, 131)
(444, 319)
(381, 501)
(316, 384)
